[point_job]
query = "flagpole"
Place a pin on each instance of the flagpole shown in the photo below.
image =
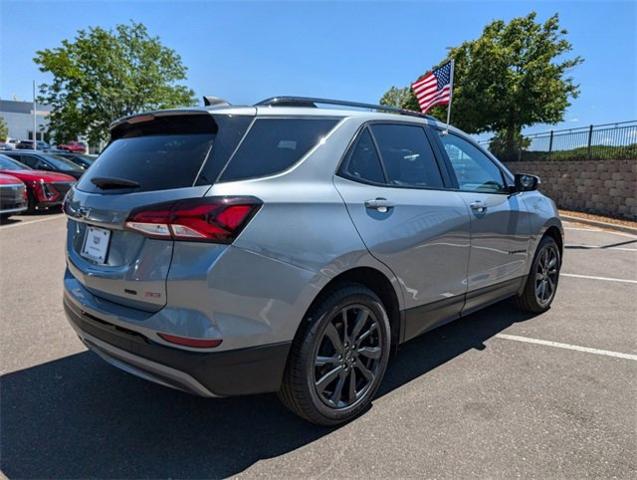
(450, 96)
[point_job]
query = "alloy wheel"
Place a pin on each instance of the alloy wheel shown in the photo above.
(348, 357)
(546, 275)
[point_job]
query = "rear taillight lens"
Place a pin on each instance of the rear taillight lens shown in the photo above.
(208, 219)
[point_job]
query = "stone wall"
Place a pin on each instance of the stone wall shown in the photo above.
(605, 187)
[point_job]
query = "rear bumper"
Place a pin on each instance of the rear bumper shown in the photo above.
(226, 373)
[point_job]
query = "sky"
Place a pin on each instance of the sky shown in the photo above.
(355, 50)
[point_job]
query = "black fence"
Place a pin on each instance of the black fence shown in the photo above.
(611, 141)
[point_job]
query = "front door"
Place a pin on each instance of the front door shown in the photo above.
(395, 194)
(499, 233)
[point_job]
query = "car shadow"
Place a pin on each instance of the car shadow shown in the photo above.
(77, 417)
(25, 215)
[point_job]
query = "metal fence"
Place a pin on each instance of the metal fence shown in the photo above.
(596, 142)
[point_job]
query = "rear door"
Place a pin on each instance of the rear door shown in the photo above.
(150, 160)
(398, 198)
(499, 229)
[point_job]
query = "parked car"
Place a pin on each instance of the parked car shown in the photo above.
(78, 147)
(13, 196)
(28, 145)
(79, 159)
(44, 189)
(6, 146)
(294, 258)
(46, 161)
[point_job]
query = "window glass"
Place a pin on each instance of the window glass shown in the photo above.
(474, 170)
(273, 145)
(231, 129)
(156, 162)
(407, 156)
(60, 163)
(363, 162)
(28, 160)
(8, 163)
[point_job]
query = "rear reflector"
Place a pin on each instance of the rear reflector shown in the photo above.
(191, 342)
(207, 219)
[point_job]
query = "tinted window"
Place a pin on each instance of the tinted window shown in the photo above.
(25, 159)
(407, 156)
(232, 128)
(474, 170)
(7, 163)
(273, 145)
(362, 162)
(60, 163)
(156, 162)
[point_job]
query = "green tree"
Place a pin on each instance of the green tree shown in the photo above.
(513, 76)
(4, 130)
(102, 75)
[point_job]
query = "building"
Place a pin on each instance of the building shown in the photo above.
(19, 119)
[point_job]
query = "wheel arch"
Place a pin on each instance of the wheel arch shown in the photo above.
(556, 234)
(378, 283)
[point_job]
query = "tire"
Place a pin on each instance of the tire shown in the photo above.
(31, 204)
(322, 387)
(544, 270)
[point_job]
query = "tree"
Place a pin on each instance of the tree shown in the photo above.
(511, 77)
(4, 130)
(102, 75)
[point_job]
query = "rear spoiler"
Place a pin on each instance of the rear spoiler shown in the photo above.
(183, 121)
(148, 116)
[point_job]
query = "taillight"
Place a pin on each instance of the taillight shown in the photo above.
(208, 219)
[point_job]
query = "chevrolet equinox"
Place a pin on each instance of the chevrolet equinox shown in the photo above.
(286, 247)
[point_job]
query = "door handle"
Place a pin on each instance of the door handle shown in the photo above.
(478, 206)
(380, 204)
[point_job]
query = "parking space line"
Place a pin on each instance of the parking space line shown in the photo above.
(22, 224)
(567, 346)
(591, 277)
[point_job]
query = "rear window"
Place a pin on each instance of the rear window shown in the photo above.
(273, 145)
(169, 152)
(156, 162)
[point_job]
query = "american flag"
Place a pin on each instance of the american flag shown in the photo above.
(434, 88)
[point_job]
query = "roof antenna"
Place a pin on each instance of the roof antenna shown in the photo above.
(210, 101)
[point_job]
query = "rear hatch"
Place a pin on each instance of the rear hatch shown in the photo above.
(152, 159)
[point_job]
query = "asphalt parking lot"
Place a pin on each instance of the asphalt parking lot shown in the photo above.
(498, 394)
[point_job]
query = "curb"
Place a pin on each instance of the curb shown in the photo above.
(598, 223)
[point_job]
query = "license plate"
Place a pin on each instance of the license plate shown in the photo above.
(96, 244)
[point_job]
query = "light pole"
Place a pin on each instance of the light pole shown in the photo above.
(35, 121)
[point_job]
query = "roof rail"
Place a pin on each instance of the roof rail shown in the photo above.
(311, 102)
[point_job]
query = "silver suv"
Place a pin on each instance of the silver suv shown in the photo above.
(288, 248)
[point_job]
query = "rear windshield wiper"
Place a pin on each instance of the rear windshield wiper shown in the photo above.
(106, 183)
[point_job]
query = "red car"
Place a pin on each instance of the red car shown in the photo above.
(76, 147)
(44, 189)
(13, 196)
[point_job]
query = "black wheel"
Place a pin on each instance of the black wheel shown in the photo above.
(541, 283)
(339, 357)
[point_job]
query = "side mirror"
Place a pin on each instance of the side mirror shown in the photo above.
(525, 182)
